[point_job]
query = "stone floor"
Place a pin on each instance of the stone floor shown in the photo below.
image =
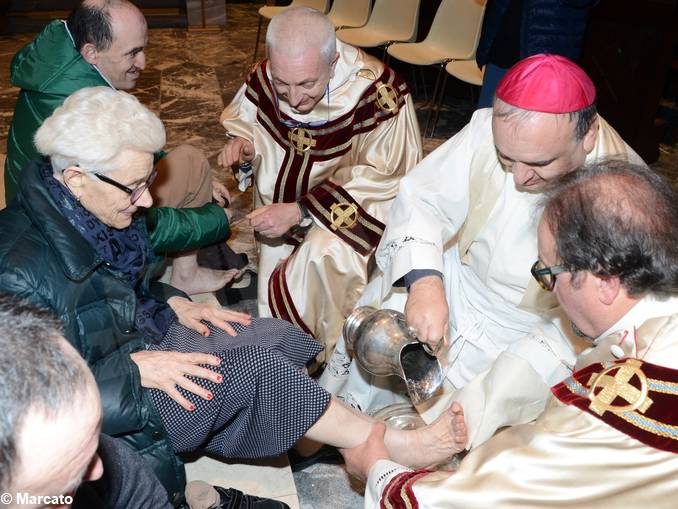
(191, 75)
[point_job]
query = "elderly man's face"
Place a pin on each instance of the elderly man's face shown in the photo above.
(57, 453)
(578, 300)
(112, 206)
(301, 81)
(122, 63)
(539, 147)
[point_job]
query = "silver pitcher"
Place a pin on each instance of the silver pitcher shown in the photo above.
(383, 345)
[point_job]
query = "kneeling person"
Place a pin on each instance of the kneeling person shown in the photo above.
(330, 131)
(607, 437)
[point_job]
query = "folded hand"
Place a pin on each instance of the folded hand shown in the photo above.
(236, 150)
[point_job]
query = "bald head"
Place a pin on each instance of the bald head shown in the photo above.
(92, 21)
(301, 48)
(112, 36)
(299, 31)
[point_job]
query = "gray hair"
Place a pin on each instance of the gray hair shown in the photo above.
(93, 126)
(616, 219)
(40, 372)
(583, 119)
(294, 31)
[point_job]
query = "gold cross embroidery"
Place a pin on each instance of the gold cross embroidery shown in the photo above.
(301, 140)
(387, 98)
(618, 385)
(343, 215)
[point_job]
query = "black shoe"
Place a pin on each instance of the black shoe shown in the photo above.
(201, 495)
(326, 454)
(230, 498)
(220, 256)
(233, 293)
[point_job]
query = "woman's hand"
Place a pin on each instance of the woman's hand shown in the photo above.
(167, 370)
(191, 314)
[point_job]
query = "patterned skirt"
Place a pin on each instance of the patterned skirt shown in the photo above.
(265, 403)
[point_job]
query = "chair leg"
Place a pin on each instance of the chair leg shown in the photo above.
(423, 82)
(418, 83)
(436, 87)
(439, 103)
(412, 81)
(256, 44)
(434, 98)
(385, 57)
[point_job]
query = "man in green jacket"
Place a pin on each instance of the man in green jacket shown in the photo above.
(102, 44)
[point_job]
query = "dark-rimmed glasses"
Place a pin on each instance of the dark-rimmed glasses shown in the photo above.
(134, 194)
(546, 276)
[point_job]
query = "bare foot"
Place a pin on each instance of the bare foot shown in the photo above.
(432, 444)
(201, 279)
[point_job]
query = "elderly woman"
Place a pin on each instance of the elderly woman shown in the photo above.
(75, 241)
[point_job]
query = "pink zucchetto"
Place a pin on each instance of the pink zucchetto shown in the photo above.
(548, 84)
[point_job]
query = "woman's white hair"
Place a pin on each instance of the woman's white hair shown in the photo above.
(93, 126)
(294, 31)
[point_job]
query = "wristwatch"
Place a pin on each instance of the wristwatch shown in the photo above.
(306, 218)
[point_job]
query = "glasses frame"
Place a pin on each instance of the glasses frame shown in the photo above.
(538, 274)
(134, 194)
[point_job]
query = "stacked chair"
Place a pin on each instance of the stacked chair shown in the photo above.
(451, 43)
(466, 70)
(350, 13)
(390, 21)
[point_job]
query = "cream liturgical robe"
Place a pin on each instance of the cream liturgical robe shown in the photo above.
(344, 161)
(584, 451)
(458, 212)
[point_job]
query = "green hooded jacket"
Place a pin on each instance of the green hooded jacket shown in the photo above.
(48, 70)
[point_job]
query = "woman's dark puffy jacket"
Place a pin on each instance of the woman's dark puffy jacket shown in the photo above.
(45, 260)
(547, 26)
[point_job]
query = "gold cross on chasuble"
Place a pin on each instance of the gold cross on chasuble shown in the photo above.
(610, 387)
(301, 140)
